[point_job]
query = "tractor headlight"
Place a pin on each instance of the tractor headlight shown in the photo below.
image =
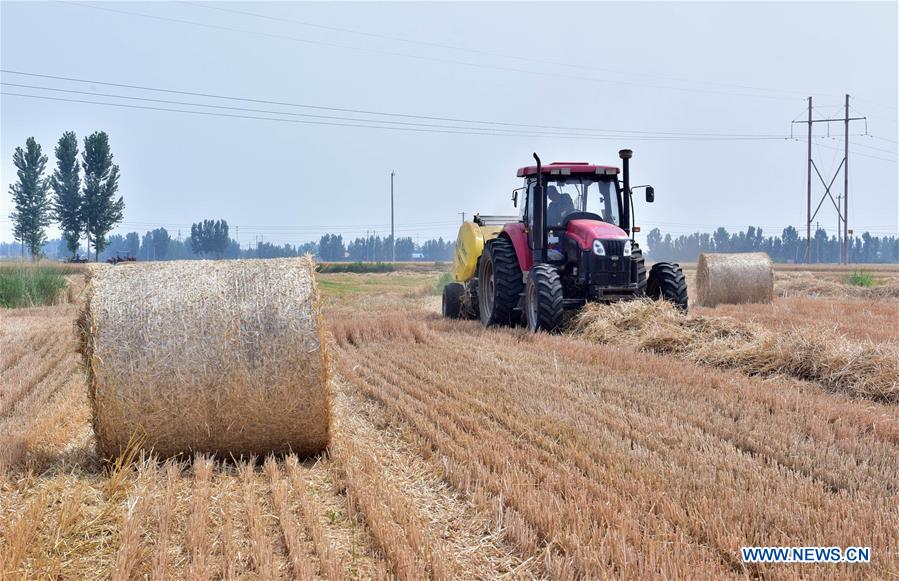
(627, 248)
(598, 248)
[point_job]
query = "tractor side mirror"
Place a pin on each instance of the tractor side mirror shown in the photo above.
(515, 198)
(650, 194)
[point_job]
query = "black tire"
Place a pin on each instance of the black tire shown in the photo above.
(666, 282)
(543, 306)
(638, 266)
(499, 284)
(452, 300)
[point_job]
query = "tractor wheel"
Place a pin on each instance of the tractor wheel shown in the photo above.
(544, 310)
(667, 282)
(638, 264)
(499, 284)
(452, 300)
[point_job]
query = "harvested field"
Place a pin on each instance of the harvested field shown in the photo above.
(856, 319)
(460, 453)
(861, 369)
(834, 285)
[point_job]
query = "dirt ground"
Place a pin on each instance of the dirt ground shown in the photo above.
(466, 453)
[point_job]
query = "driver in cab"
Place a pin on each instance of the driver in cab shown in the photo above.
(560, 205)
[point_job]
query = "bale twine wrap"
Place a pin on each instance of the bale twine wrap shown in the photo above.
(734, 278)
(221, 357)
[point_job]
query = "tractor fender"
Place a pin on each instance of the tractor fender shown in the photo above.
(518, 234)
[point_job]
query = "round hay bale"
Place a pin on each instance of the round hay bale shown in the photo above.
(734, 279)
(220, 357)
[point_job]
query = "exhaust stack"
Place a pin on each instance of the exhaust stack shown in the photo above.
(626, 155)
(538, 236)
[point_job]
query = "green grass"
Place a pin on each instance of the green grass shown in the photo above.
(860, 278)
(358, 267)
(445, 279)
(349, 283)
(24, 285)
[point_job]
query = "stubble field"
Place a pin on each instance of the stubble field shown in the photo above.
(467, 453)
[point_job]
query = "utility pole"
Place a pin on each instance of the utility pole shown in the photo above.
(392, 235)
(463, 215)
(808, 219)
(842, 213)
(844, 258)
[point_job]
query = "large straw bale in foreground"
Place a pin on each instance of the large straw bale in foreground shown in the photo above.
(221, 357)
(734, 279)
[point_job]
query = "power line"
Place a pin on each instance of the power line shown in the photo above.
(485, 52)
(860, 154)
(420, 57)
(857, 144)
(309, 115)
(370, 124)
(883, 139)
(379, 113)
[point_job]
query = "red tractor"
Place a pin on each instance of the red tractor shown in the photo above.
(571, 243)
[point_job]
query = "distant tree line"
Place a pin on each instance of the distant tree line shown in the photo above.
(85, 205)
(788, 247)
(211, 239)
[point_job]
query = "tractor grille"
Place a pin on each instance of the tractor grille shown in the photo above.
(610, 271)
(614, 247)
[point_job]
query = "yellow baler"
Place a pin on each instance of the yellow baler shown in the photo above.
(460, 298)
(469, 246)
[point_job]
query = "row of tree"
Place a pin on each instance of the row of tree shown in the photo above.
(788, 247)
(210, 239)
(83, 206)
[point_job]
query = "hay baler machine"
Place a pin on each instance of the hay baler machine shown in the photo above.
(571, 243)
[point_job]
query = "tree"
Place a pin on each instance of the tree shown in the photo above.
(160, 240)
(115, 247)
(307, 248)
(437, 249)
(101, 211)
(31, 215)
(404, 248)
(66, 184)
(791, 243)
(654, 241)
(132, 244)
(209, 237)
(722, 240)
(330, 247)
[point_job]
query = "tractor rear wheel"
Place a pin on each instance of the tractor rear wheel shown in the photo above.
(666, 282)
(452, 300)
(543, 304)
(639, 269)
(499, 284)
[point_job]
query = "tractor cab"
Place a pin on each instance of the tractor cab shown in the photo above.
(582, 204)
(572, 242)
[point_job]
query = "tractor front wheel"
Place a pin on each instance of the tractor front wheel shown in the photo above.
(452, 300)
(499, 284)
(666, 282)
(544, 308)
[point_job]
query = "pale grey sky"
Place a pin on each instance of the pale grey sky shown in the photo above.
(629, 72)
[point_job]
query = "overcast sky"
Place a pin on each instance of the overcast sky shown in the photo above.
(626, 75)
